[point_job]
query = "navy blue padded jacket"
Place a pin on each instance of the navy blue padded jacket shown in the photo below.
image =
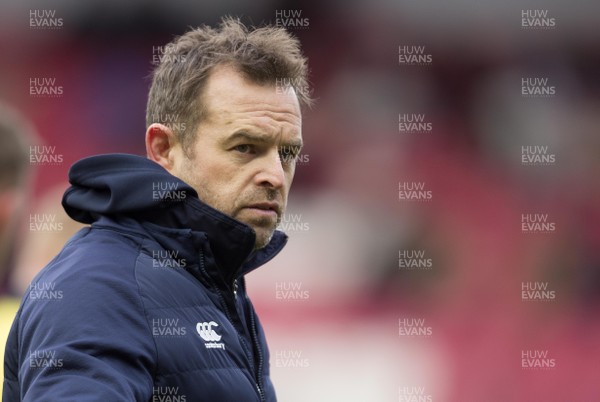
(147, 304)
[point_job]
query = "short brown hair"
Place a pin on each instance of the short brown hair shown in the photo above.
(263, 55)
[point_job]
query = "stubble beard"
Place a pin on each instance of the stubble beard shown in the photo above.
(264, 228)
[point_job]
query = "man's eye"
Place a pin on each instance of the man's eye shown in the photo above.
(289, 154)
(243, 148)
(287, 157)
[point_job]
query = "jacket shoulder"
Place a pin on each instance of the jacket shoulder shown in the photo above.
(84, 309)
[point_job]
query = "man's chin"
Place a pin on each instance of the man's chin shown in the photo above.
(263, 237)
(263, 228)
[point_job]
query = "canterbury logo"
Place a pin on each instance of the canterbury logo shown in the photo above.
(206, 332)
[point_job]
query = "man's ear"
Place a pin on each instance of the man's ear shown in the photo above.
(161, 145)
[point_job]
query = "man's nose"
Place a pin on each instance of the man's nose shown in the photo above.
(271, 173)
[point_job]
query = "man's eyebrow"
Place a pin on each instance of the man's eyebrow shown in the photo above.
(292, 144)
(249, 136)
(261, 138)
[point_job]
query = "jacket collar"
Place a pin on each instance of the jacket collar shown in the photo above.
(231, 241)
(124, 186)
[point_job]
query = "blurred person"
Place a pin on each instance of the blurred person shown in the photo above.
(150, 301)
(43, 242)
(16, 134)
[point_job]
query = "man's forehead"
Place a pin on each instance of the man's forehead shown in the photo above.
(229, 92)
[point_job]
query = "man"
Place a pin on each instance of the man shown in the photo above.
(16, 135)
(150, 302)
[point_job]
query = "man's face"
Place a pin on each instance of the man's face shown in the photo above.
(240, 161)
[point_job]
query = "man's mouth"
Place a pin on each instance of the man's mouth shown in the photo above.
(265, 208)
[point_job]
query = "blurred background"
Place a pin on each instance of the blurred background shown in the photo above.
(445, 215)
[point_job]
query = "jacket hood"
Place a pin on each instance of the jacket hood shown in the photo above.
(121, 185)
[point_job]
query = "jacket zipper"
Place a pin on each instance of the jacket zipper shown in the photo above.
(253, 334)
